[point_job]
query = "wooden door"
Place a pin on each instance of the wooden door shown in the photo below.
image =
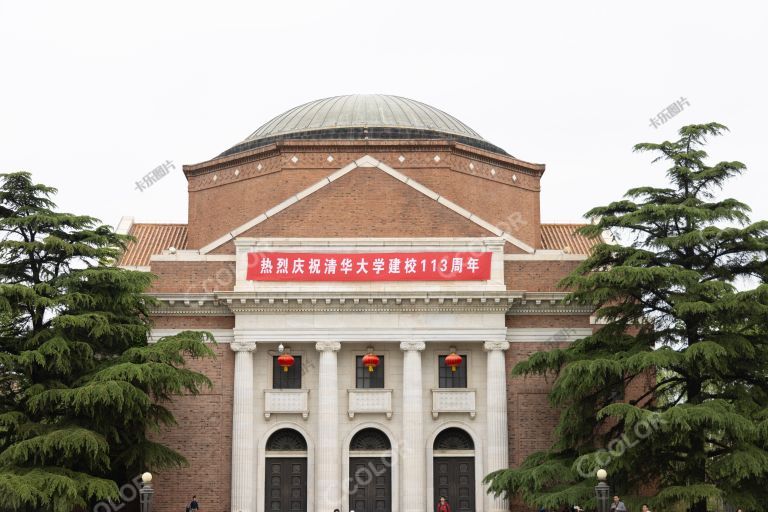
(455, 479)
(286, 486)
(370, 484)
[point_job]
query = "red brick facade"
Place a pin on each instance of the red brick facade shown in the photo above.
(204, 437)
(227, 192)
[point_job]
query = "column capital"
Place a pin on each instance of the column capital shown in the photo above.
(243, 346)
(412, 346)
(327, 346)
(489, 346)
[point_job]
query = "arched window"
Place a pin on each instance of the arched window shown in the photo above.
(453, 439)
(370, 439)
(286, 440)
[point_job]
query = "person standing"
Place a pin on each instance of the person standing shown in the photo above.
(193, 505)
(618, 505)
(443, 506)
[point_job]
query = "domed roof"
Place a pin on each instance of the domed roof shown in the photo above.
(363, 116)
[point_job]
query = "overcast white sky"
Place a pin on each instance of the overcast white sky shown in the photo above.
(94, 95)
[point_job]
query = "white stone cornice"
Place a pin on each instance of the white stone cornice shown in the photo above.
(379, 305)
(242, 346)
(327, 346)
(219, 335)
(191, 255)
(138, 268)
(188, 304)
(386, 301)
(352, 334)
(124, 226)
(495, 345)
(326, 301)
(546, 255)
(379, 243)
(412, 346)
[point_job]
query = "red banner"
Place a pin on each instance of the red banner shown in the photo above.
(380, 266)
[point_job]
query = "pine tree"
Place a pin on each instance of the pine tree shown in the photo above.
(684, 299)
(80, 387)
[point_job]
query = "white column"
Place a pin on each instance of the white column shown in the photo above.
(497, 456)
(412, 496)
(328, 456)
(243, 437)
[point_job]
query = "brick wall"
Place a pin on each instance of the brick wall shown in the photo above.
(539, 276)
(548, 321)
(366, 202)
(531, 418)
(512, 209)
(193, 276)
(216, 210)
(204, 437)
(224, 194)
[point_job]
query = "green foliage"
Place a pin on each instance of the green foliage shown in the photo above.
(80, 387)
(682, 291)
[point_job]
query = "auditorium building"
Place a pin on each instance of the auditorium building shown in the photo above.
(371, 269)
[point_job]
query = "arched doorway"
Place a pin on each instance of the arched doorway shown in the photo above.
(285, 488)
(370, 472)
(454, 469)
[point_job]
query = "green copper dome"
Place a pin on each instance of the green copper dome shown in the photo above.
(363, 116)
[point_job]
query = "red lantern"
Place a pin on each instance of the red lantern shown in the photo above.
(371, 361)
(285, 361)
(453, 360)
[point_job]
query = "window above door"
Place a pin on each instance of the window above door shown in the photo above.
(366, 379)
(448, 378)
(282, 379)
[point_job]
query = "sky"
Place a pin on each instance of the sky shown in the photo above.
(95, 95)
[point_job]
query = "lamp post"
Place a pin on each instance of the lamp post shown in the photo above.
(602, 491)
(146, 492)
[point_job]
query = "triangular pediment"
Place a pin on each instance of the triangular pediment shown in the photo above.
(365, 196)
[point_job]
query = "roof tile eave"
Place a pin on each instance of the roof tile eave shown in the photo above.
(555, 236)
(152, 239)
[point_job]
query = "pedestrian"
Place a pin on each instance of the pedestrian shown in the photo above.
(646, 508)
(443, 506)
(193, 504)
(618, 505)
